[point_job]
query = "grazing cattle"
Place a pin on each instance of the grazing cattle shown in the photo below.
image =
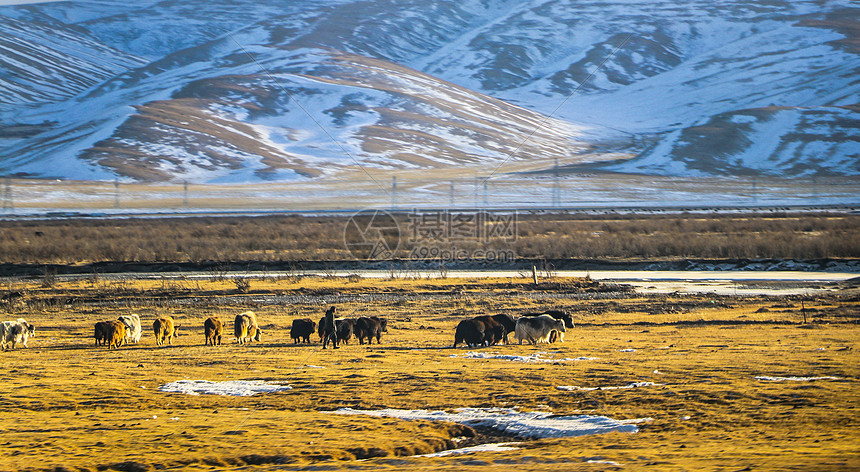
(501, 325)
(472, 332)
(254, 331)
(561, 315)
(484, 330)
(302, 330)
(241, 325)
(344, 328)
(14, 332)
(252, 317)
(100, 332)
(132, 327)
(165, 329)
(245, 328)
(537, 329)
(494, 332)
(508, 323)
(321, 329)
(213, 328)
(370, 327)
(361, 327)
(114, 334)
(557, 314)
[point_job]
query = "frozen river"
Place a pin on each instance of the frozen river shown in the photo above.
(716, 282)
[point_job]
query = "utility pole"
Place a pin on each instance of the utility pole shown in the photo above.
(755, 188)
(814, 188)
(393, 192)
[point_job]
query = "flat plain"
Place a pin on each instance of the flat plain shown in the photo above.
(712, 382)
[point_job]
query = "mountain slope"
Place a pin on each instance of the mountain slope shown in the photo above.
(46, 62)
(243, 90)
(283, 126)
(781, 141)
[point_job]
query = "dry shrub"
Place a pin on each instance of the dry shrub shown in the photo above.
(243, 284)
(49, 279)
(548, 236)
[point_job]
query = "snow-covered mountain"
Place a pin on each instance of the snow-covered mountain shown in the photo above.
(247, 90)
(50, 61)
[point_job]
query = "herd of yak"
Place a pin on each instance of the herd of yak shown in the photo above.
(127, 329)
(486, 330)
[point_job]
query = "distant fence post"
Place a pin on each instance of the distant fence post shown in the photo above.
(486, 202)
(803, 310)
(8, 205)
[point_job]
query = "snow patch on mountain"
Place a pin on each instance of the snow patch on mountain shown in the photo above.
(787, 141)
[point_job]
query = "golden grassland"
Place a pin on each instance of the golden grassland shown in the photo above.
(69, 405)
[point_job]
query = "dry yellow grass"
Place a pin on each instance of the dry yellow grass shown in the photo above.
(66, 403)
(285, 242)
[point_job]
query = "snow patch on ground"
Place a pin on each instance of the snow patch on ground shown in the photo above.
(533, 358)
(766, 378)
(235, 388)
(492, 447)
(572, 388)
(524, 424)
